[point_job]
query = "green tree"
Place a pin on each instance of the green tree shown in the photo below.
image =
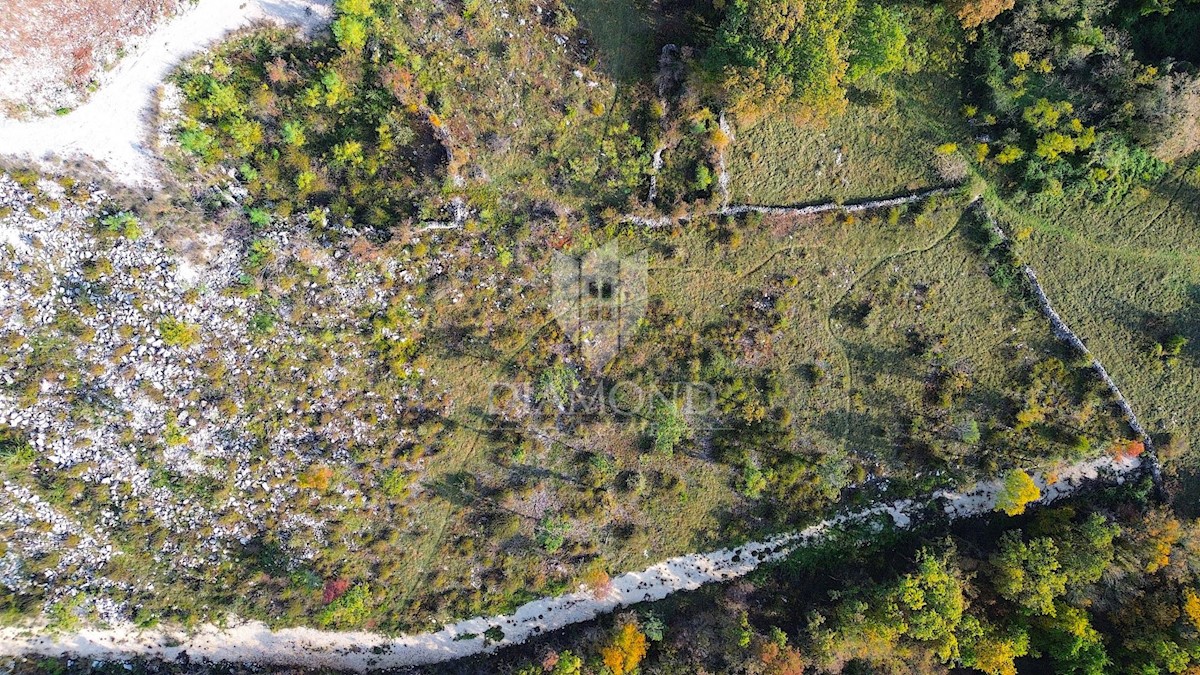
(348, 611)
(969, 432)
(293, 133)
(178, 333)
(1071, 642)
(195, 140)
(15, 449)
(669, 426)
(556, 385)
(123, 223)
(359, 8)
(1087, 549)
(552, 533)
(350, 33)
(1028, 573)
(924, 609)
(928, 605)
(349, 153)
(568, 664)
(877, 42)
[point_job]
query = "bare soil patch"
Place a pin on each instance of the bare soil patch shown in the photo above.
(52, 50)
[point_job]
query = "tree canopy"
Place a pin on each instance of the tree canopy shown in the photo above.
(806, 51)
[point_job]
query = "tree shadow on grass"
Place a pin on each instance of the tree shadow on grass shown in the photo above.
(1160, 327)
(624, 34)
(866, 435)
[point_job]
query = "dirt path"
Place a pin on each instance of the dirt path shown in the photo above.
(51, 51)
(111, 128)
(361, 651)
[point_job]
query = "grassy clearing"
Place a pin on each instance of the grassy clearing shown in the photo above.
(1126, 277)
(817, 260)
(866, 151)
(945, 362)
(624, 32)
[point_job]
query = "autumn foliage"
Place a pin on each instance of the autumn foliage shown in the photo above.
(1017, 492)
(975, 13)
(1191, 608)
(316, 478)
(626, 651)
(1127, 450)
(1161, 534)
(781, 659)
(597, 581)
(334, 589)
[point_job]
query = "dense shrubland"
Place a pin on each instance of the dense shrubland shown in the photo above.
(380, 122)
(303, 137)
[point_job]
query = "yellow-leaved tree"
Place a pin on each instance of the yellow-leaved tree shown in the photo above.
(1191, 607)
(1016, 493)
(626, 651)
(974, 13)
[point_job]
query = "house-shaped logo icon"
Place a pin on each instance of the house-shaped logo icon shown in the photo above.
(598, 299)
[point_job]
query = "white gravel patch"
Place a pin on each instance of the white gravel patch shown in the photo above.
(111, 127)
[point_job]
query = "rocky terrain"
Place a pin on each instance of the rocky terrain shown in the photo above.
(116, 357)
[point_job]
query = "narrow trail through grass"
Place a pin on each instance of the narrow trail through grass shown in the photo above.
(829, 317)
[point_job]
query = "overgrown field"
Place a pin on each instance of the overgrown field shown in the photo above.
(323, 381)
(1125, 274)
(305, 425)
